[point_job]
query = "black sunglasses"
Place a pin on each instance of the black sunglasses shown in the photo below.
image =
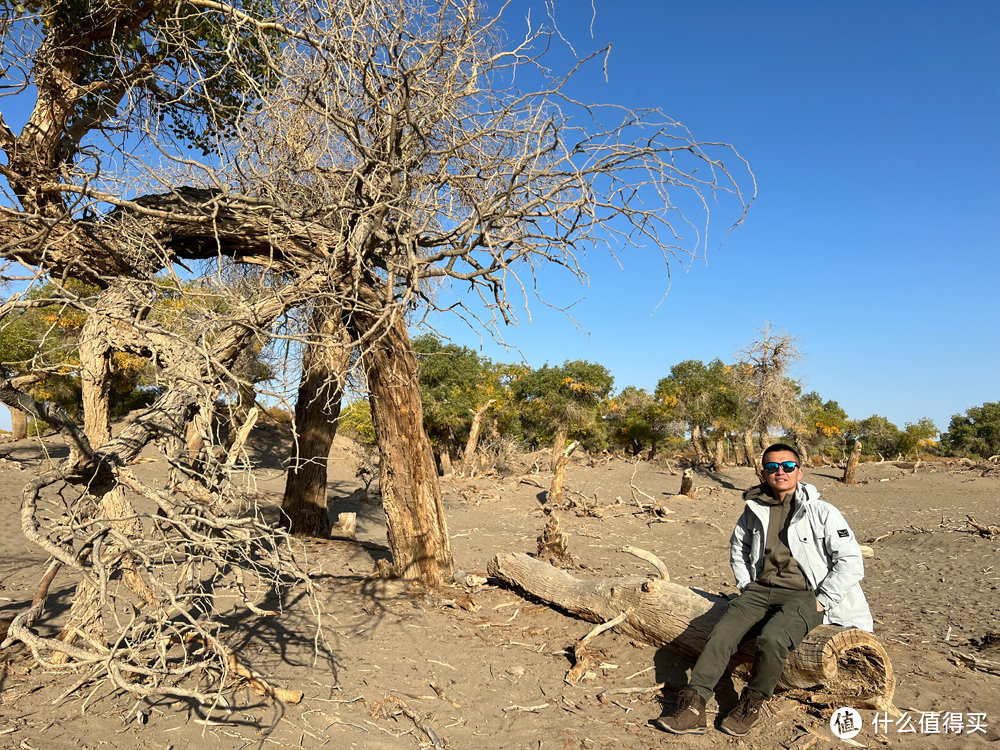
(771, 467)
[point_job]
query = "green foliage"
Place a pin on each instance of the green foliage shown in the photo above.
(877, 435)
(918, 436)
(211, 70)
(356, 422)
(704, 395)
(824, 424)
(637, 420)
(454, 383)
(44, 340)
(571, 394)
(975, 433)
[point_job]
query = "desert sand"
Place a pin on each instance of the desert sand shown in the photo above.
(394, 666)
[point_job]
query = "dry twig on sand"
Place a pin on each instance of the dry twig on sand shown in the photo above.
(975, 662)
(387, 705)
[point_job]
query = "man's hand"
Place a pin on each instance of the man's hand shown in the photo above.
(819, 607)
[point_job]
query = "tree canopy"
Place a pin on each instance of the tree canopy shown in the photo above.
(976, 432)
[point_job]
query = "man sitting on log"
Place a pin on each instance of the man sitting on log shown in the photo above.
(797, 565)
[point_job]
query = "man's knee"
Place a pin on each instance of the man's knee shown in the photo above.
(774, 644)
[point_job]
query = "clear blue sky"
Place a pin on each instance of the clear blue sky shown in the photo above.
(873, 130)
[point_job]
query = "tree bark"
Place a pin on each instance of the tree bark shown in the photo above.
(748, 446)
(246, 398)
(317, 409)
(559, 444)
(800, 446)
(469, 454)
(554, 497)
(445, 458)
(848, 665)
(85, 615)
(699, 451)
(705, 449)
(415, 519)
(720, 458)
(95, 379)
(18, 424)
(852, 463)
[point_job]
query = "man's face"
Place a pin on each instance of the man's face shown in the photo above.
(781, 481)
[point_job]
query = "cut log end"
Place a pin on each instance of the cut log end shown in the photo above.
(850, 665)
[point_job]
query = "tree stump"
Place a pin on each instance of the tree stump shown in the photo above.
(852, 463)
(469, 456)
(687, 483)
(18, 424)
(555, 496)
(845, 665)
(553, 545)
(346, 526)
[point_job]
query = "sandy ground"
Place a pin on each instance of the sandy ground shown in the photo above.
(492, 676)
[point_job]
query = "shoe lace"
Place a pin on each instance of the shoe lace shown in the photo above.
(749, 706)
(686, 703)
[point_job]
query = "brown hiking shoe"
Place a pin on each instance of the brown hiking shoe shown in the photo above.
(688, 717)
(744, 716)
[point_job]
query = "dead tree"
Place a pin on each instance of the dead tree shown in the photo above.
(852, 463)
(762, 375)
(554, 498)
(469, 455)
(343, 182)
(325, 362)
(848, 666)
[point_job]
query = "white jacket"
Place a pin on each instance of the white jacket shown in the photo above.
(822, 544)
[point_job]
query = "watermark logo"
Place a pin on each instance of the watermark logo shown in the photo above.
(931, 722)
(845, 722)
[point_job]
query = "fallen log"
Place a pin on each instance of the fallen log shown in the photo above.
(845, 666)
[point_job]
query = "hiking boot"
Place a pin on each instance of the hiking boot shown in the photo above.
(687, 718)
(744, 716)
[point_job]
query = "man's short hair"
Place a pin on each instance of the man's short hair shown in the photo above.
(780, 447)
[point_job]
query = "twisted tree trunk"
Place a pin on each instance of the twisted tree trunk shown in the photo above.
(696, 441)
(415, 519)
(748, 446)
(85, 615)
(317, 409)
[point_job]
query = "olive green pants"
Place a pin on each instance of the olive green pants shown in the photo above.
(784, 617)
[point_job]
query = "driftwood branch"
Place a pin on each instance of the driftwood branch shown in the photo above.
(584, 656)
(651, 559)
(846, 665)
(974, 662)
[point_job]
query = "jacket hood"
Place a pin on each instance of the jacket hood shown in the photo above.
(761, 494)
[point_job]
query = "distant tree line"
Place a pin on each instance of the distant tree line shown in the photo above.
(716, 412)
(720, 413)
